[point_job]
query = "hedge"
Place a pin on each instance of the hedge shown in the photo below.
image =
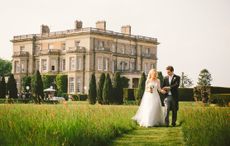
(185, 94)
(219, 90)
(220, 99)
(81, 97)
(128, 94)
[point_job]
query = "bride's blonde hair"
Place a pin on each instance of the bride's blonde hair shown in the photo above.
(150, 73)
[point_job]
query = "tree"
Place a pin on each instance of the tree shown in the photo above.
(141, 87)
(117, 89)
(49, 80)
(185, 81)
(3, 87)
(5, 67)
(12, 87)
(100, 88)
(124, 82)
(26, 81)
(62, 83)
(204, 78)
(37, 86)
(107, 90)
(92, 90)
(160, 77)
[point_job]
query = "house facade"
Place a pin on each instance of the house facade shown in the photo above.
(81, 51)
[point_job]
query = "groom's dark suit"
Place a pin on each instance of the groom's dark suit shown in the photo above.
(171, 101)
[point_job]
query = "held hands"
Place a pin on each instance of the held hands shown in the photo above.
(165, 90)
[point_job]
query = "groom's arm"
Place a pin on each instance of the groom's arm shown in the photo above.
(176, 84)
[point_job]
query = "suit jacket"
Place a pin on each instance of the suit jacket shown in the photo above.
(175, 83)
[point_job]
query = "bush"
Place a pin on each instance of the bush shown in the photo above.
(117, 89)
(48, 80)
(220, 99)
(185, 94)
(218, 90)
(107, 90)
(204, 92)
(73, 97)
(82, 97)
(100, 88)
(92, 90)
(62, 83)
(141, 87)
(3, 87)
(129, 94)
(26, 81)
(12, 87)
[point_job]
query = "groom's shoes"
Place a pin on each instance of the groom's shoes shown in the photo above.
(173, 124)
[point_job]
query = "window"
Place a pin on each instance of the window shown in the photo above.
(37, 65)
(17, 67)
(22, 48)
(153, 65)
(53, 64)
(102, 44)
(146, 68)
(63, 46)
(53, 68)
(79, 63)
(106, 64)
(99, 63)
(113, 48)
(44, 64)
(23, 66)
(63, 64)
(133, 51)
(123, 51)
(123, 65)
(78, 84)
(132, 66)
(72, 63)
(113, 66)
(71, 85)
(147, 51)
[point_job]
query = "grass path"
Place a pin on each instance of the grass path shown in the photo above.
(156, 136)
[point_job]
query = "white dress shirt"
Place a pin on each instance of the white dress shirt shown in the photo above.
(170, 80)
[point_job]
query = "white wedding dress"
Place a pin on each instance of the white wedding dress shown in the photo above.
(150, 112)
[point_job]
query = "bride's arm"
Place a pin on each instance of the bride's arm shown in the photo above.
(159, 87)
(146, 86)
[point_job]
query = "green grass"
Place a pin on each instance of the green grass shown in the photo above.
(156, 136)
(64, 124)
(78, 123)
(206, 126)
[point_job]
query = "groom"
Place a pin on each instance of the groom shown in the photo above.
(170, 85)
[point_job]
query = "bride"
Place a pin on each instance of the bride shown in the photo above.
(151, 112)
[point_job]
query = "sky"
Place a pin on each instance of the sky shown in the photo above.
(193, 34)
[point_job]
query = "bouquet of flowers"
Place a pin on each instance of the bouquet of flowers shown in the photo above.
(150, 87)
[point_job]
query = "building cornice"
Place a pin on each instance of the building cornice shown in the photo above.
(83, 31)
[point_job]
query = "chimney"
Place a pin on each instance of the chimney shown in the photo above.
(126, 29)
(45, 29)
(101, 25)
(78, 24)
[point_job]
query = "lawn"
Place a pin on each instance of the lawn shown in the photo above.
(71, 123)
(78, 123)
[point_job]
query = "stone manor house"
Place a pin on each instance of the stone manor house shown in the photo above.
(79, 52)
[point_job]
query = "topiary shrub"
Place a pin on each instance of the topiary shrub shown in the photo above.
(100, 88)
(92, 90)
(82, 97)
(220, 99)
(185, 94)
